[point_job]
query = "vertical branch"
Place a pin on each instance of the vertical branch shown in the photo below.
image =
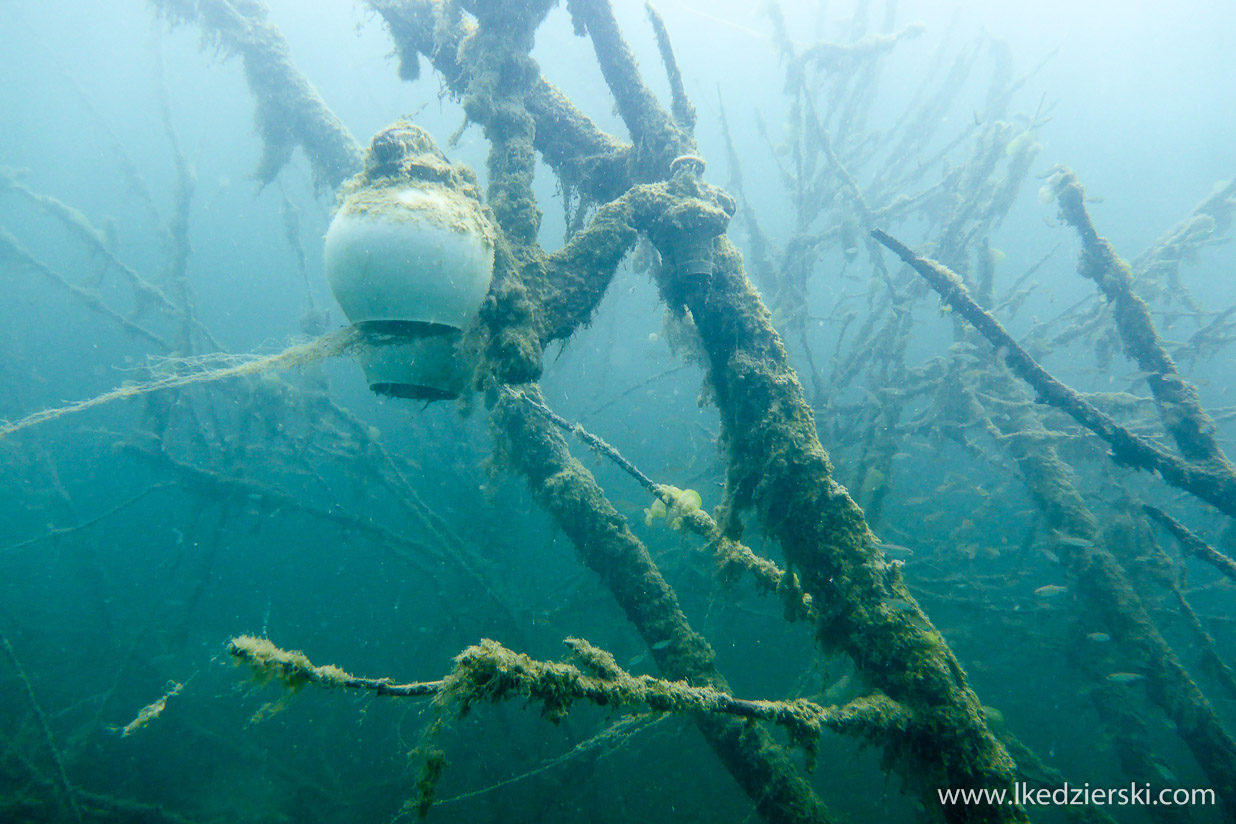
(680, 105)
(501, 75)
(596, 163)
(62, 777)
(177, 229)
(657, 139)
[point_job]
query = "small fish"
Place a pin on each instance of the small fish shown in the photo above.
(1099, 637)
(911, 613)
(637, 660)
(894, 549)
(1071, 540)
(1050, 590)
(1125, 677)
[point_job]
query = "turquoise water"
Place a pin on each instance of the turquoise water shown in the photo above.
(385, 536)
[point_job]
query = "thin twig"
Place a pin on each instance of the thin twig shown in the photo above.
(62, 777)
(728, 552)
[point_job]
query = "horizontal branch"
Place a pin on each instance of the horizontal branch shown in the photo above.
(490, 672)
(294, 669)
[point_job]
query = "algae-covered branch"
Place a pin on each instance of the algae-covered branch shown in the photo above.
(619, 352)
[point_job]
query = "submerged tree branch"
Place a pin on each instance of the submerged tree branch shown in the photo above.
(730, 554)
(1207, 482)
(67, 790)
(489, 672)
(1191, 543)
(658, 140)
(606, 545)
(1182, 412)
(290, 112)
(684, 112)
(570, 143)
(13, 253)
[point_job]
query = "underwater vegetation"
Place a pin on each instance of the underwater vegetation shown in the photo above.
(834, 507)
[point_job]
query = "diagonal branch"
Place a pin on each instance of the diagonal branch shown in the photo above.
(1191, 543)
(1207, 482)
(13, 253)
(1183, 416)
(290, 112)
(62, 778)
(728, 552)
(604, 543)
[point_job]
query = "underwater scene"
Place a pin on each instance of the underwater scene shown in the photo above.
(605, 411)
